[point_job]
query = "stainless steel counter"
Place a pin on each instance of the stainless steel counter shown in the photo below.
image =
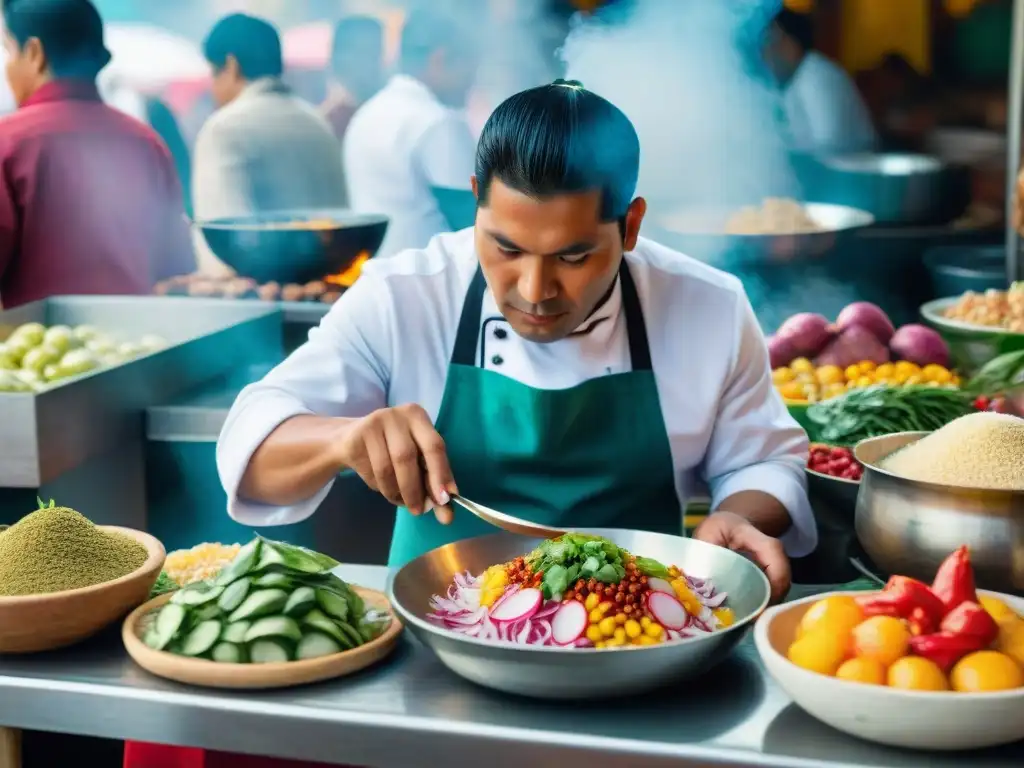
(411, 707)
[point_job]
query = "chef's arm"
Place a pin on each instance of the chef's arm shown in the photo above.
(277, 452)
(755, 459)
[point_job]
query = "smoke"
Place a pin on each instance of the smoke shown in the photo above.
(690, 76)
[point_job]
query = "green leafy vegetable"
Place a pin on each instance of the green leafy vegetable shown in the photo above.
(651, 568)
(163, 585)
(999, 375)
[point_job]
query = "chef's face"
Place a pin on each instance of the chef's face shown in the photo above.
(548, 262)
(25, 67)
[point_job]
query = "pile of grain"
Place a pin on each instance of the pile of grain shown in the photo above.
(980, 450)
(56, 548)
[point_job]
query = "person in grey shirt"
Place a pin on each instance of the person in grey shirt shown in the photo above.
(265, 148)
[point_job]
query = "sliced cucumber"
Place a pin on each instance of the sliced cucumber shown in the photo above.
(274, 626)
(300, 603)
(315, 645)
(235, 633)
(268, 652)
(196, 595)
(202, 638)
(205, 613)
(234, 594)
(274, 579)
(322, 623)
(299, 558)
(262, 603)
(228, 653)
(241, 565)
(333, 604)
(269, 557)
(167, 624)
(353, 634)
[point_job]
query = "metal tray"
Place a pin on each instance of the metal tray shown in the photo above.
(45, 434)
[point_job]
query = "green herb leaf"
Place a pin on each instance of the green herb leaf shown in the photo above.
(556, 579)
(651, 568)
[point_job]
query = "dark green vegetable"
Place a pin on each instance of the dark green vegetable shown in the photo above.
(576, 556)
(163, 585)
(883, 410)
(999, 375)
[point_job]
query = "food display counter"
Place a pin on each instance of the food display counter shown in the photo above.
(411, 706)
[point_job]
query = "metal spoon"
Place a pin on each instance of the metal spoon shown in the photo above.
(507, 522)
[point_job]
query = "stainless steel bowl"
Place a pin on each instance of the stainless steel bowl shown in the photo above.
(833, 499)
(273, 246)
(700, 233)
(558, 673)
(895, 188)
(970, 346)
(909, 528)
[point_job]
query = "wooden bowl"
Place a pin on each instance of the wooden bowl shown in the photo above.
(33, 623)
(910, 719)
(214, 674)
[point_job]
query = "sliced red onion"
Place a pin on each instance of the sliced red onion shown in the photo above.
(583, 643)
(547, 609)
(716, 600)
(524, 633)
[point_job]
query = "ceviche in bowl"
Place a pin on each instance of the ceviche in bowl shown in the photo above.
(588, 612)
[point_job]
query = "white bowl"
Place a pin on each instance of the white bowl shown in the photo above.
(910, 719)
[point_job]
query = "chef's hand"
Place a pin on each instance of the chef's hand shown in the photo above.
(725, 529)
(397, 452)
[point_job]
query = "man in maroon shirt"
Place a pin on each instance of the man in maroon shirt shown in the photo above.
(90, 202)
(357, 69)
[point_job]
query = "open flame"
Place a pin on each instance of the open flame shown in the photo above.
(348, 276)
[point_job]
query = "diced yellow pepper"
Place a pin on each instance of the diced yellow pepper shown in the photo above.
(689, 600)
(725, 616)
(633, 629)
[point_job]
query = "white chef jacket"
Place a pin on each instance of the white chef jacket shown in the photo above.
(399, 144)
(826, 113)
(389, 339)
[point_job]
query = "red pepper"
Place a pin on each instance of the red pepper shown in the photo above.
(972, 620)
(982, 403)
(921, 622)
(945, 648)
(905, 598)
(954, 581)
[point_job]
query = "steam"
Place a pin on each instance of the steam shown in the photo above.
(689, 74)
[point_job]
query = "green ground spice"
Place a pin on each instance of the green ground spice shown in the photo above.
(56, 549)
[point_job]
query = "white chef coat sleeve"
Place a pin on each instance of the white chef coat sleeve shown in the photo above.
(755, 444)
(342, 370)
(446, 152)
(837, 118)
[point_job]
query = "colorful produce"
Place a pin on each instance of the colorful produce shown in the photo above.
(993, 309)
(862, 333)
(201, 562)
(980, 450)
(34, 357)
(272, 603)
(884, 410)
(802, 382)
(916, 637)
(834, 462)
(870, 317)
(581, 591)
(55, 549)
(920, 344)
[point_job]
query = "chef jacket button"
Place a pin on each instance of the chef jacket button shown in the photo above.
(497, 360)
(500, 333)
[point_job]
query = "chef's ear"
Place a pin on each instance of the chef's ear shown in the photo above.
(474, 187)
(34, 54)
(634, 218)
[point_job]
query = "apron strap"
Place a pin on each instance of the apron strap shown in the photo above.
(468, 334)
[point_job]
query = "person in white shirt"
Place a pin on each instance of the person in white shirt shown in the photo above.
(824, 110)
(547, 362)
(413, 134)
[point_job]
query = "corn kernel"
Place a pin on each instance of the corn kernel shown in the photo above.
(646, 640)
(620, 619)
(633, 629)
(619, 634)
(599, 644)
(645, 622)
(655, 631)
(801, 365)
(591, 602)
(596, 615)
(607, 626)
(614, 643)
(865, 381)
(606, 606)
(852, 373)
(594, 634)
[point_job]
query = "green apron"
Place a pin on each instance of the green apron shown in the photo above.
(594, 455)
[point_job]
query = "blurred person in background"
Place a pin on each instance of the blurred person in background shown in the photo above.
(413, 134)
(90, 202)
(265, 149)
(357, 69)
(826, 113)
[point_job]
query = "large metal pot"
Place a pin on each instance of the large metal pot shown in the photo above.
(909, 528)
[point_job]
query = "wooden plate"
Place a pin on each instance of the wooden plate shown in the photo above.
(212, 674)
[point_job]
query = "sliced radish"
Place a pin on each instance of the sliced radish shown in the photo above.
(667, 611)
(660, 585)
(521, 605)
(569, 624)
